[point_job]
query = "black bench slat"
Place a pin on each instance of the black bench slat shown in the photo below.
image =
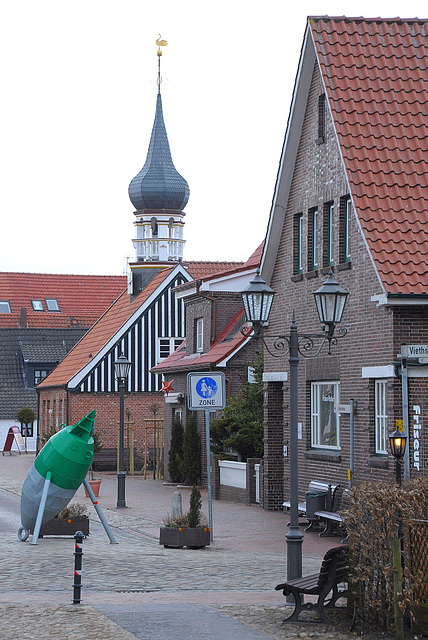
(308, 582)
(333, 571)
(106, 459)
(333, 517)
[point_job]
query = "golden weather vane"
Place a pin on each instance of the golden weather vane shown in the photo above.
(160, 43)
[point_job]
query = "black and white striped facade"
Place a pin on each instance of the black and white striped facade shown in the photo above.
(149, 335)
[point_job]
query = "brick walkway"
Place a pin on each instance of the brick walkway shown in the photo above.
(138, 589)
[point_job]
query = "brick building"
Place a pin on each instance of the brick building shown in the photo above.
(214, 316)
(351, 196)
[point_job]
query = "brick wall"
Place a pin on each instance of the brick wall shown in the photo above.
(273, 471)
(374, 332)
(216, 310)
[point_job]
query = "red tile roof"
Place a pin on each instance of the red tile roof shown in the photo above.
(375, 74)
(106, 327)
(252, 262)
(225, 344)
(81, 299)
(200, 270)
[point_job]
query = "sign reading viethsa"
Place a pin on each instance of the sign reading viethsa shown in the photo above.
(414, 350)
(206, 391)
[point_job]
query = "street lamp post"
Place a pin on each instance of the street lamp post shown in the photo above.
(397, 442)
(330, 300)
(121, 368)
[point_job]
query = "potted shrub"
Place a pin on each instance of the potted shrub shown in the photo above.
(190, 530)
(74, 517)
(95, 483)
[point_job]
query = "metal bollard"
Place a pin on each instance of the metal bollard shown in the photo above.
(78, 553)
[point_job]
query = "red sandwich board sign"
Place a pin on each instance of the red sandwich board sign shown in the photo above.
(14, 433)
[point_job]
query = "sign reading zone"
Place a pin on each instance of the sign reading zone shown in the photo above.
(206, 391)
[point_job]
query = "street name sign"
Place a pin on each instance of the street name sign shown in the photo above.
(414, 350)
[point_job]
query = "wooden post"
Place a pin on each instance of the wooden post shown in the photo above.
(398, 587)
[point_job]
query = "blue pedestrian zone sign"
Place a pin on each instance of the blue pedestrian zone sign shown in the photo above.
(206, 391)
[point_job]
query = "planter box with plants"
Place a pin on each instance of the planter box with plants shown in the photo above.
(74, 517)
(188, 530)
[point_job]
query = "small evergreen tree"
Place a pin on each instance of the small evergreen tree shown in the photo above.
(240, 426)
(176, 451)
(194, 515)
(25, 415)
(191, 466)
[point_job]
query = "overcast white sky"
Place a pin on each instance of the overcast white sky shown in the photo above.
(78, 84)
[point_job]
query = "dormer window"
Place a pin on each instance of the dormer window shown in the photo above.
(37, 305)
(5, 306)
(39, 375)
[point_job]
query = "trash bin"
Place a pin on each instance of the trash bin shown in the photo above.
(314, 502)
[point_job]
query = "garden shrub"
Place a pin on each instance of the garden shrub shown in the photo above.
(372, 522)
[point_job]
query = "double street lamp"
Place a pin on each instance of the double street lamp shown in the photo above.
(121, 369)
(330, 300)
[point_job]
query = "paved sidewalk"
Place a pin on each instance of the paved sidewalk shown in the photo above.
(137, 588)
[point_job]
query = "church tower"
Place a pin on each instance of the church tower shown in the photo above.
(159, 194)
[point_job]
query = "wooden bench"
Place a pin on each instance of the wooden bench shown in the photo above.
(106, 459)
(306, 509)
(333, 518)
(334, 571)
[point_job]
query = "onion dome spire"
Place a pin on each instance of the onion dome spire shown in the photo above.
(159, 185)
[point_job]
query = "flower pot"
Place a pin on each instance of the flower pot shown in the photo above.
(95, 486)
(177, 537)
(64, 527)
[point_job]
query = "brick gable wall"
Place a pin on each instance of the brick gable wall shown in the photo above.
(318, 179)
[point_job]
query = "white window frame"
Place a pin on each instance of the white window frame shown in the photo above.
(5, 306)
(199, 335)
(317, 438)
(381, 418)
(314, 223)
(300, 243)
(167, 344)
(330, 232)
(347, 230)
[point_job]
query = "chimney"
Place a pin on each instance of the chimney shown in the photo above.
(23, 324)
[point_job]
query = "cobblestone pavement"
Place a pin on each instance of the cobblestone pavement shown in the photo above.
(137, 589)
